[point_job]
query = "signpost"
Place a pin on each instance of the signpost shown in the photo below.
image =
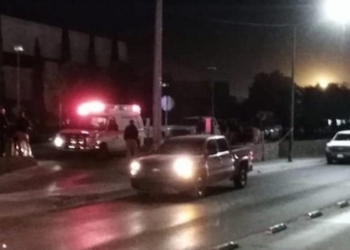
(167, 104)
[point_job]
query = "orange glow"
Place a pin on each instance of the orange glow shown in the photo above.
(323, 83)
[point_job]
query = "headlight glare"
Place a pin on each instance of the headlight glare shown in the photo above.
(58, 141)
(135, 167)
(183, 167)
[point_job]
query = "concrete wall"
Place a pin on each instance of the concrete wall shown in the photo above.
(23, 32)
(10, 83)
(269, 151)
(312, 148)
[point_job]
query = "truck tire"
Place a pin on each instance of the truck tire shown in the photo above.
(199, 188)
(329, 160)
(103, 152)
(241, 179)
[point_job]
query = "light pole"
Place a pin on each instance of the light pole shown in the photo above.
(212, 86)
(18, 49)
(292, 102)
(157, 75)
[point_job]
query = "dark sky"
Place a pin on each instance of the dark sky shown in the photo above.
(195, 38)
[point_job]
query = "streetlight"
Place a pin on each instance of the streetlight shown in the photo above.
(18, 49)
(292, 103)
(337, 10)
(157, 75)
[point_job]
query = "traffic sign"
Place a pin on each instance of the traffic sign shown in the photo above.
(167, 103)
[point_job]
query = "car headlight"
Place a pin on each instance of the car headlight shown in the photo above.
(135, 167)
(183, 167)
(58, 141)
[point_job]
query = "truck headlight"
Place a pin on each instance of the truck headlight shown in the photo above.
(58, 141)
(135, 167)
(183, 167)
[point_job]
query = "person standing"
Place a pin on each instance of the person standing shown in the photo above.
(131, 136)
(23, 126)
(3, 131)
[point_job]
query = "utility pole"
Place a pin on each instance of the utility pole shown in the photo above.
(157, 76)
(292, 103)
(212, 71)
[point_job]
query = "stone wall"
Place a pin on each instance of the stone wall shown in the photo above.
(312, 148)
(270, 151)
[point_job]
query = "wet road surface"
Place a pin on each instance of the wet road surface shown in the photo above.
(176, 223)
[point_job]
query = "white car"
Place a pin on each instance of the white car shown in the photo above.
(339, 147)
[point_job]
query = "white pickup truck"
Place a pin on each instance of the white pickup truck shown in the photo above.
(188, 126)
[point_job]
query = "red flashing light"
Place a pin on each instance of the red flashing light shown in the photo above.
(136, 108)
(91, 108)
(83, 110)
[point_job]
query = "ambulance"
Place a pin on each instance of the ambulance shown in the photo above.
(99, 127)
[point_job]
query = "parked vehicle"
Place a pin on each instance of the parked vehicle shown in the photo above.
(99, 127)
(339, 147)
(187, 126)
(188, 164)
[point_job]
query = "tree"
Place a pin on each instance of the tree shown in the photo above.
(272, 93)
(313, 108)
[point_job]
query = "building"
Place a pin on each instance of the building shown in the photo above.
(47, 50)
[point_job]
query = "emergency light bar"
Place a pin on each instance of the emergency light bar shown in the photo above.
(97, 107)
(94, 107)
(121, 107)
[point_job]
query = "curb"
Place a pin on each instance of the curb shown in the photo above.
(315, 214)
(277, 228)
(228, 246)
(343, 204)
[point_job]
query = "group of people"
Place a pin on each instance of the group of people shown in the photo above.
(14, 138)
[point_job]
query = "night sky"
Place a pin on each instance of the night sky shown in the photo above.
(194, 36)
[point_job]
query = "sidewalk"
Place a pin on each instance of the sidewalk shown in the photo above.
(283, 164)
(51, 186)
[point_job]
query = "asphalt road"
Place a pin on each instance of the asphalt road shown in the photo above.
(174, 223)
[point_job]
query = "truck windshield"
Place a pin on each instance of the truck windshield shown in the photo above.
(177, 146)
(88, 123)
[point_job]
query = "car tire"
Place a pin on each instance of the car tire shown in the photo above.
(329, 161)
(199, 188)
(240, 181)
(103, 152)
